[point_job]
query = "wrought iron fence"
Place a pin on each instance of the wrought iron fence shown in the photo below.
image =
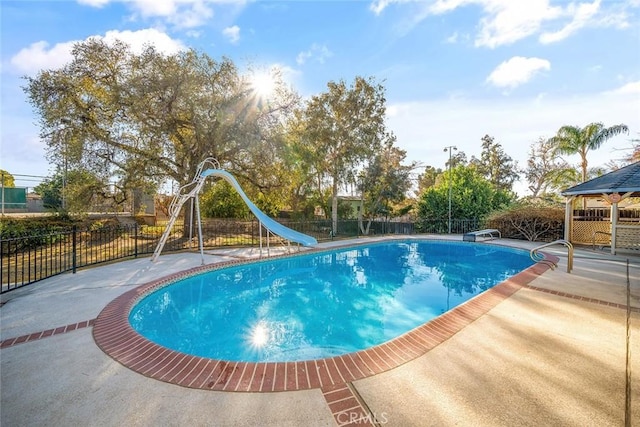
(441, 226)
(28, 259)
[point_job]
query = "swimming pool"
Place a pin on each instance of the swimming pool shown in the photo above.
(323, 304)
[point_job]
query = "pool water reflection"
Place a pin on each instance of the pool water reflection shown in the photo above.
(320, 304)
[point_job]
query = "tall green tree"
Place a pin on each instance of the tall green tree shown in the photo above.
(83, 190)
(383, 183)
(580, 140)
(458, 158)
(341, 129)
(76, 191)
(472, 196)
(51, 191)
(221, 200)
(428, 178)
(495, 165)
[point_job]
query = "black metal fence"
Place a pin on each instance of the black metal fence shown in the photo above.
(441, 226)
(28, 259)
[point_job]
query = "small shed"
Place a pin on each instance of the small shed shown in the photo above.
(613, 187)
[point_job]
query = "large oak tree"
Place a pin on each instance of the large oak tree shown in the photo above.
(146, 117)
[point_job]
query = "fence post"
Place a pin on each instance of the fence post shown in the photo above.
(135, 240)
(74, 234)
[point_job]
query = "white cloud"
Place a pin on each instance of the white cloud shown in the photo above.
(319, 53)
(444, 6)
(189, 17)
(505, 22)
(94, 3)
(232, 34)
(156, 7)
(453, 38)
(378, 6)
(193, 33)
(141, 38)
(516, 71)
(40, 55)
(581, 14)
(629, 88)
(180, 13)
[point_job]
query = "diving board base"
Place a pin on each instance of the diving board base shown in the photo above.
(488, 234)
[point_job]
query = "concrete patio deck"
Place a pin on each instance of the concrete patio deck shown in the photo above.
(553, 353)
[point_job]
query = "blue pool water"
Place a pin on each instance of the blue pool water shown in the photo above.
(322, 304)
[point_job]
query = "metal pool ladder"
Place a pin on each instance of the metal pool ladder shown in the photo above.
(537, 257)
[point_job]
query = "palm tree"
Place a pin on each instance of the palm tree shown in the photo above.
(576, 140)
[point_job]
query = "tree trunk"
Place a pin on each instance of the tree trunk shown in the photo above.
(334, 207)
(363, 230)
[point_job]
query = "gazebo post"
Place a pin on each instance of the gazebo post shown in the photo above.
(568, 218)
(614, 226)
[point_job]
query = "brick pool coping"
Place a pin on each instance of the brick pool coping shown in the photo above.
(113, 333)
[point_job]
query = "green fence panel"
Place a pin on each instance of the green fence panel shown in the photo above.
(14, 198)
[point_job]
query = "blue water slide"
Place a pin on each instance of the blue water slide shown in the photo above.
(269, 223)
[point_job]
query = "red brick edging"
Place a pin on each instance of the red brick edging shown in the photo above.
(115, 336)
(348, 407)
(585, 299)
(9, 342)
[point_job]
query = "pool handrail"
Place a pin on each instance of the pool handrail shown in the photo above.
(541, 258)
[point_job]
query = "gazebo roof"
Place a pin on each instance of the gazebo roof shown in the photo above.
(623, 180)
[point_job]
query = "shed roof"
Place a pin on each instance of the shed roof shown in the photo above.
(623, 180)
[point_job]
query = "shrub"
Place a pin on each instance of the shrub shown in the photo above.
(530, 222)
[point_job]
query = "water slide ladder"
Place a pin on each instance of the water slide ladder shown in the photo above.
(186, 192)
(537, 257)
(192, 190)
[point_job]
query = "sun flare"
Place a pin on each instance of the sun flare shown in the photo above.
(263, 84)
(260, 335)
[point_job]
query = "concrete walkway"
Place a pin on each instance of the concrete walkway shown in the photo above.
(537, 358)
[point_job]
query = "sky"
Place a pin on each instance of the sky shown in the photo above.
(453, 70)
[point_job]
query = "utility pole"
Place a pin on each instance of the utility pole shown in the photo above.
(449, 149)
(2, 180)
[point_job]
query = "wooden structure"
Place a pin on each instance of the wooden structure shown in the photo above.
(613, 187)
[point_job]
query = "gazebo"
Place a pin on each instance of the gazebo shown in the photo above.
(613, 187)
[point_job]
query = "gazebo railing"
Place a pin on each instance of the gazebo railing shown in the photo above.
(594, 237)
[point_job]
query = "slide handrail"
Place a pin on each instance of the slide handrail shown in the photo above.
(540, 258)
